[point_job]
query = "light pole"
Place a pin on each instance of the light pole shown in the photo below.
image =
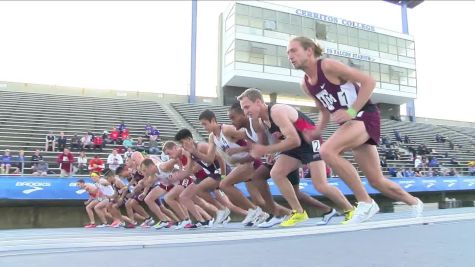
(410, 107)
(194, 11)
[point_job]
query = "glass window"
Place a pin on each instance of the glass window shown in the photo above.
(384, 68)
(283, 17)
(308, 23)
(268, 14)
(270, 50)
(392, 49)
(242, 9)
(242, 20)
(403, 77)
(283, 27)
(353, 41)
(321, 31)
(296, 20)
(412, 82)
(242, 56)
(373, 45)
(270, 60)
(391, 40)
(332, 37)
(363, 34)
(384, 77)
(364, 43)
(256, 60)
(383, 47)
(383, 38)
(343, 39)
(394, 74)
(270, 25)
(242, 45)
(352, 32)
(342, 30)
(374, 67)
(364, 66)
(255, 12)
(401, 42)
(282, 51)
(283, 62)
(401, 51)
(256, 23)
(295, 30)
(330, 27)
(410, 53)
(310, 33)
(411, 73)
(410, 45)
(373, 37)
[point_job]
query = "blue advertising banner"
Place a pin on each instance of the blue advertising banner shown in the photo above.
(44, 188)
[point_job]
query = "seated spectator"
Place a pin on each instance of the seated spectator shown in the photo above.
(148, 131)
(62, 141)
(19, 162)
(418, 162)
(129, 153)
(121, 127)
(75, 142)
(6, 162)
(408, 173)
(35, 158)
(437, 138)
(82, 163)
(114, 160)
(86, 141)
(139, 146)
(128, 143)
(124, 135)
(407, 140)
(98, 142)
(155, 134)
(41, 168)
(50, 142)
(433, 162)
(418, 172)
(397, 135)
(114, 136)
(66, 161)
(453, 172)
(105, 139)
(153, 146)
(400, 173)
(96, 164)
(471, 170)
(385, 140)
(383, 163)
(454, 161)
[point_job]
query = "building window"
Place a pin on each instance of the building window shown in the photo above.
(321, 32)
(242, 9)
(270, 25)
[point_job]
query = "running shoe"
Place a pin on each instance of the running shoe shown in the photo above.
(417, 209)
(271, 221)
(91, 225)
(363, 212)
(160, 225)
(182, 224)
(295, 218)
(327, 217)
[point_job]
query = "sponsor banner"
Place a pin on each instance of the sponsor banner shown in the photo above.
(44, 188)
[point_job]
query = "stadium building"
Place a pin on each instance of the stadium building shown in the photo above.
(252, 48)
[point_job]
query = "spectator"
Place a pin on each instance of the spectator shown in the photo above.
(114, 136)
(86, 141)
(417, 172)
(105, 138)
(41, 168)
(471, 168)
(148, 130)
(129, 152)
(140, 146)
(433, 162)
(124, 135)
(437, 138)
(75, 142)
(114, 160)
(19, 162)
(153, 145)
(407, 140)
(35, 158)
(96, 164)
(98, 142)
(65, 161)
(392, 171)
(454, 161)
(383, 163)
(82, 163)
(408, 173)
(62, 141)
(453, 172)
(121, 127)
(451, 145)
(397, 135)
(50, 142)
(385, 140)
(400, 173)
(128, 143)
(418, 162)
(6, 162)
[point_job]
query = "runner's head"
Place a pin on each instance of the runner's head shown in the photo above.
(252, 102)
(301, 50)
(171, 149)
(109, 175)
(148, 167)
(237, 117)
(122, 172)
(208, 120)
(81, 183)
(184, 137)
(95, 176)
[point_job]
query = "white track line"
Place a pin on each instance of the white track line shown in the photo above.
(33, 246)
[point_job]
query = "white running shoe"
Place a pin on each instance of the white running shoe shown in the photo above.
(327, 217)
(160, 225)
(221, 215)
(417, 209)
(102, 225)
(210, 223)
(271, 221)
(227, 220)
(182, 224)
(261, 218)
(251, 215)
(148, 223)
(364, 211)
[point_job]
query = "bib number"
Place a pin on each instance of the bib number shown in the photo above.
(316, 146)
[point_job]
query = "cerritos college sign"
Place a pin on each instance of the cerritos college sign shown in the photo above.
(332, 19)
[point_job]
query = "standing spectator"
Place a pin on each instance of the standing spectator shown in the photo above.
(65, 161)
(86, 141)
(19, 162)
(121, 127)
(6, 162)
(98, 142)
(153, 145)
(82, 163)
(407, 140)
(383, 162)
(433, 162)
(50, 141)
(114, 136)
(62, 141)
(96, 164)
(41, 168)
(114, 160)
(75, 142)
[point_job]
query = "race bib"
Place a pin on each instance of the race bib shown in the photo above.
(316, 146)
